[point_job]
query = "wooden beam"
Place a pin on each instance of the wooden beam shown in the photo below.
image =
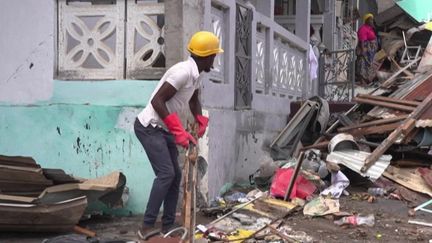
(389, 81)
(373, 123)
(375, 129)
(410, 74)
(384, 104)
(404, 128)
(321, 145)
(294, 176)
(389, 99)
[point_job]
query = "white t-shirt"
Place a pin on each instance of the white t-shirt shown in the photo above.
(184, 77)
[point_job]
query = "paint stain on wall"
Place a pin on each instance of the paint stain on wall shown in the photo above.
(58, 131)
(78, 145)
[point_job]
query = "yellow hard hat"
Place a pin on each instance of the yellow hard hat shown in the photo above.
(366, 16)
(204, 43)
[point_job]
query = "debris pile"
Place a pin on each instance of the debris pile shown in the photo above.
(37, 199)
(382, 141)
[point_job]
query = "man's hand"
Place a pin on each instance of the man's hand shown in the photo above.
(173, 123)
(203, 123)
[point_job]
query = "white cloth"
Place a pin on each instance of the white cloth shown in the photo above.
(184, 77)
(313, 63)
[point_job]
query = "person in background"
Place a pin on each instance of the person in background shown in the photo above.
(313, 55)
(158, 127)
(366, 48)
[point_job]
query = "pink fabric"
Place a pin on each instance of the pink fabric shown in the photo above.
(366, 33)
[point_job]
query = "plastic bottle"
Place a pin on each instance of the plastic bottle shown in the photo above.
(377, 191)
(368, 220)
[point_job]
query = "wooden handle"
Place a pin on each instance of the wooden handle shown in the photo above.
(84, 231)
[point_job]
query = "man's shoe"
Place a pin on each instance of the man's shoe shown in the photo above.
(146, 232)
(168, 228)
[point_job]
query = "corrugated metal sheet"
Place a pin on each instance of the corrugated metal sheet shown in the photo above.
(355, 159)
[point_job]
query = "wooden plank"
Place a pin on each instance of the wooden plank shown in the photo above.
(321, 145)
(402, 129)
(374, 130)
(390, 100)
(84, 231)
(58, 176)
(34, 177)
(384, 104)
(408, 178)
(18, 161)
(410, 74)
(31, 217)
(373, 123)
(186, 195)
(389, 81)
(294, 176)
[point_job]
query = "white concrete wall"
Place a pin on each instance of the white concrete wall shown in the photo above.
(26, 50)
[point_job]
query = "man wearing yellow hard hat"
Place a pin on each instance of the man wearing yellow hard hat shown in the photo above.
(159, 129)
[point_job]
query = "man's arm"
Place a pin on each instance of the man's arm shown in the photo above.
(195, 104)
(172, 121)
(165, 93)
(195, 107)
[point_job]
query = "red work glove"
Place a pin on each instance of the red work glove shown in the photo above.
(173, 123)
(202, 122)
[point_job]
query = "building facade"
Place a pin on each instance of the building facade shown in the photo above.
(74, 74)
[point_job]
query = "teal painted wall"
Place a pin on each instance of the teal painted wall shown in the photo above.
(86, 130)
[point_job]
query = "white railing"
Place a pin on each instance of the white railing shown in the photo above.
(287, 61)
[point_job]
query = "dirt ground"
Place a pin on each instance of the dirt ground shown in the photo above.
(391, 225)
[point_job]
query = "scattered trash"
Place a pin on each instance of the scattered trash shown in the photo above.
(302, 187)
(338, 184)
(355, 220)
(312, 162)
(377, 191)
(236, 197)
(321, 206)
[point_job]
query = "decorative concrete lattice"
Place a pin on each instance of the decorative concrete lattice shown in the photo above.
(95, 40)
(91, 40)
(288, 70)
(145, 46)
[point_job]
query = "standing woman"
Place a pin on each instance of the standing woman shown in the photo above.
(366, 49)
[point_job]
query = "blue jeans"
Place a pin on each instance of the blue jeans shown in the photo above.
(162, 153)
